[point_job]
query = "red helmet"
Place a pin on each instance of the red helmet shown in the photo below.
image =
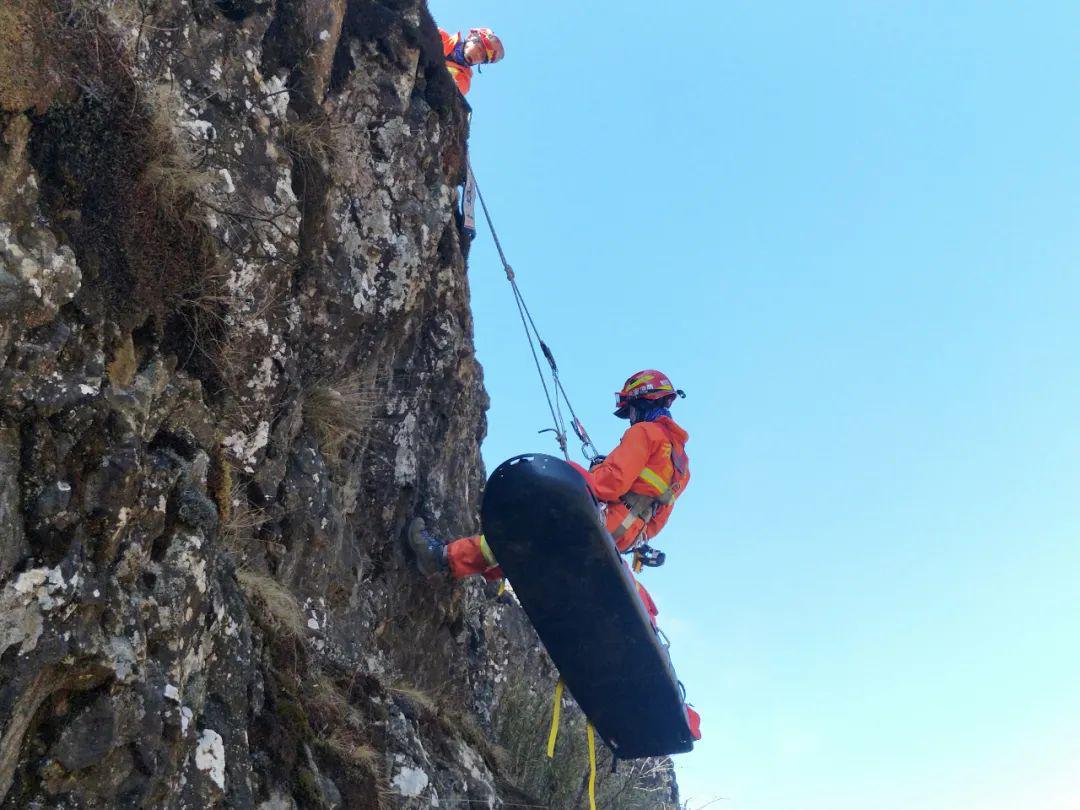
(492, 45)
(648, 384)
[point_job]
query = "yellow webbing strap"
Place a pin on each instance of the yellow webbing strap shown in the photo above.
(485, 549)
(502, 587)
(592, 765)
(556, 710)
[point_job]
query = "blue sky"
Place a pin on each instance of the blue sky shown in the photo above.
(851, 231)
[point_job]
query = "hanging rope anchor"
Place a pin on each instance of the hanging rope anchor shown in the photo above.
(588, 449)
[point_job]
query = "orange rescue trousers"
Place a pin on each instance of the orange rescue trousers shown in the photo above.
(471, 555)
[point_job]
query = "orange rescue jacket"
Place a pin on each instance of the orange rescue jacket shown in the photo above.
(461, 73)
(644, 463)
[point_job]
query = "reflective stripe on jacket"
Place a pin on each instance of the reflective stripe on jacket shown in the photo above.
(462, 74)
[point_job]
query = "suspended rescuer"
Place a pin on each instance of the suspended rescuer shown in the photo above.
(638, 483)
(479, 46)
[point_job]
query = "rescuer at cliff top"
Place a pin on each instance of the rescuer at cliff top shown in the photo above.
(479, 46)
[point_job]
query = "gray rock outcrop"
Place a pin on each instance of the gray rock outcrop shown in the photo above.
(235, 357)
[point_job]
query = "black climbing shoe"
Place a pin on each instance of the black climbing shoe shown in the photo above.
(430, 552)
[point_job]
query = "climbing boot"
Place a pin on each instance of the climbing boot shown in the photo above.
(430, 552)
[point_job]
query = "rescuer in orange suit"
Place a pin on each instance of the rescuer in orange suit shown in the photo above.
(638, 482)
(478, 47)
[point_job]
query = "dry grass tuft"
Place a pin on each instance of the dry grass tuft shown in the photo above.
(210, 311)
(281, 610)
(340, 411)
(327, 702)
(347, 746)
(339, 727)
(311, 142)
(240, 521)
(170, 174)
(418, 697)
(174, 188)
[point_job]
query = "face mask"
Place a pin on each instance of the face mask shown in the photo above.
(648, 414)
(458, 54)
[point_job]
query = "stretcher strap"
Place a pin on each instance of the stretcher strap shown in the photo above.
(592, 765)
(556, 709)
(489, 555)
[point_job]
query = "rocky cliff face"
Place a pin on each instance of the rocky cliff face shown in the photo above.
(235, 356)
